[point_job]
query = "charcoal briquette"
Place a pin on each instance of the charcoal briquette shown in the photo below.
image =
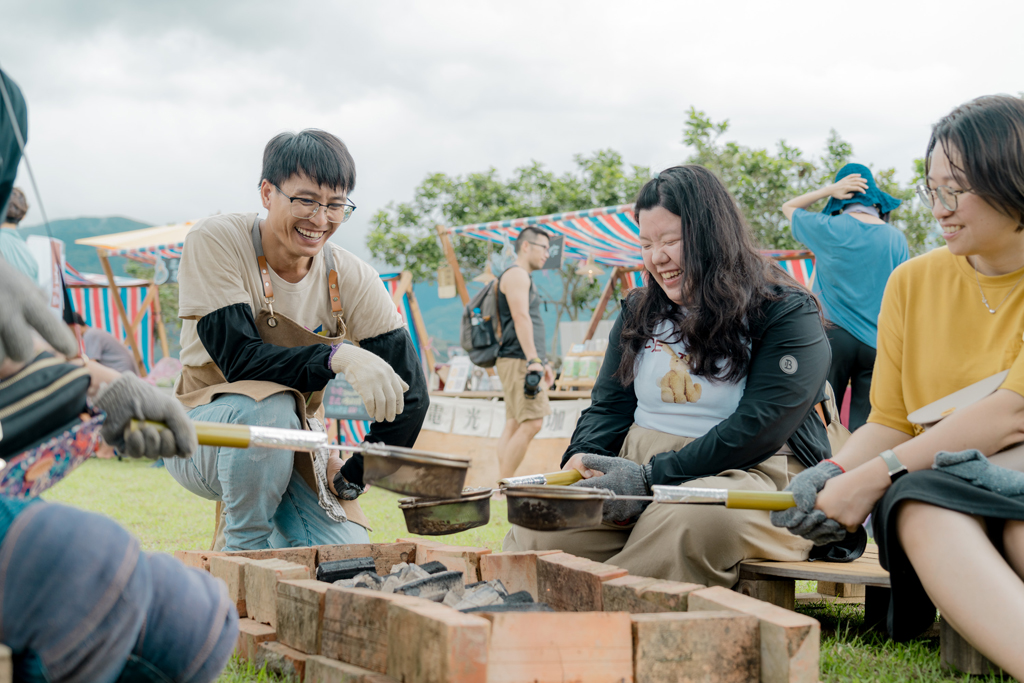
(338, 570)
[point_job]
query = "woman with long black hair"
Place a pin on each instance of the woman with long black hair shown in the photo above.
(711, 379)
(948, 521)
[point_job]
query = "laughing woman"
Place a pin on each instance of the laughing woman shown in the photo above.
(711, 379)
(951, 532)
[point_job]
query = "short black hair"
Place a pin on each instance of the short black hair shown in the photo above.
(316, 153)
(525, 234)
(988, 134)
(77, 319)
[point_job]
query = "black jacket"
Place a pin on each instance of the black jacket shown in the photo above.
(233, 341)
(777, 406)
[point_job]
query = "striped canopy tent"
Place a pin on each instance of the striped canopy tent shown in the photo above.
(143, 245)
(611, 235)
(93, 299)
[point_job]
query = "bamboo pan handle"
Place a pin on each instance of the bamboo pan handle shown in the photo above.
(211, 433)
(760, 500)
(564, 478)
(550, 479)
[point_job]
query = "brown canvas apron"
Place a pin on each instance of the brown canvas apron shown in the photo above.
(201, 385)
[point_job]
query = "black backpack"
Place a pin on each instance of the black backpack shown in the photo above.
(480, 332)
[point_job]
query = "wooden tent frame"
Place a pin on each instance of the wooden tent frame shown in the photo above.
(150, 304)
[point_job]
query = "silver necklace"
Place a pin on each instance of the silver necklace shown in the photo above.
(984, 299)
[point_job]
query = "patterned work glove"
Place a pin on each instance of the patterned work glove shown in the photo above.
(23, 309)
(804, 520)
(129, 398)
(974, 467)
(623, 477)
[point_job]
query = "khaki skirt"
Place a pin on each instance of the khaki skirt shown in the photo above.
(697, 543)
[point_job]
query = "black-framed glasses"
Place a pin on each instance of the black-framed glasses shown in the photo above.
(303, 207)
(948, 197)
(545, 247)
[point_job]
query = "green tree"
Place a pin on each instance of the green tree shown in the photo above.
(762, 181)
(404, 236)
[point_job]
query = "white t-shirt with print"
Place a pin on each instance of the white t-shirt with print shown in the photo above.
(672, 399)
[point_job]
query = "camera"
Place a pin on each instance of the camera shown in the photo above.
(531, 386)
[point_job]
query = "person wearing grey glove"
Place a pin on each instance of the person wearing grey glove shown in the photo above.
(804, 520)
(23, 309)
(620, 476)
(129, 398)
(974, 467)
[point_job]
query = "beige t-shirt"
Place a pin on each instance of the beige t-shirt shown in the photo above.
(218, 268)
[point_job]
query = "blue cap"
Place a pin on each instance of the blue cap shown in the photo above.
(873, 197)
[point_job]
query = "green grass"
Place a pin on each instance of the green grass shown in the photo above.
(165, 517)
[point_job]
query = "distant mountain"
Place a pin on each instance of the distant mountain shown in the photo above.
(70, 229)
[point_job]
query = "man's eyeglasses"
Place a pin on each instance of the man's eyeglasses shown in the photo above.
(303, 207)
(545, 247)
(948, 197)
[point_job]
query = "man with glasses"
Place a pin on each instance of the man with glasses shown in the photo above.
(272, 311)
(521, 365)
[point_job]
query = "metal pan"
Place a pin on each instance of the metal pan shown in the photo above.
(447, 516)
(554, 508)
(414, 473)
(403, 470)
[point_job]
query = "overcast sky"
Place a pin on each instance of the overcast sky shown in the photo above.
(160, 111)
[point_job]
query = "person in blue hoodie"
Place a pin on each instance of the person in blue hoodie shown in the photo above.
(855, 250)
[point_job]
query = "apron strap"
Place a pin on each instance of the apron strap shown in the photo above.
(334, 296)
(261, 261)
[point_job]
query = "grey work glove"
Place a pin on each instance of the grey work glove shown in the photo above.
(804, 520)
(623, 477)
(380, 387)
(23, 309)
(974, 467)
(129, 398)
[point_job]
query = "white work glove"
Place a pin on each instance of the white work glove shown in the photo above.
(382, 390)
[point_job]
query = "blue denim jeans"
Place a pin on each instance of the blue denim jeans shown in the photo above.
(268, 504)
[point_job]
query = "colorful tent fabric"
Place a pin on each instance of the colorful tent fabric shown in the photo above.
(611, 235)
(93, 300)
(143, 245)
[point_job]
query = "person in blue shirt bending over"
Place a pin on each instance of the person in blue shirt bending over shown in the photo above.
(855, 250)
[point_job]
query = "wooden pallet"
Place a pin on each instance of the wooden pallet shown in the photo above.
(862, 580)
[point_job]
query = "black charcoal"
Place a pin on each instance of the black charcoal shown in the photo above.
(339, 570)
(511, 607)
(522, 597)
(434, 587)
(433, 567)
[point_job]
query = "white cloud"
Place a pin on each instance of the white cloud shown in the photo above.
(160, 111)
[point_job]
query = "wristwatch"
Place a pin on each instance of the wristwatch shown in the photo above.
(896, 468)
(537, 360)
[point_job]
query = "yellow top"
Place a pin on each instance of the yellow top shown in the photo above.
(935, 335)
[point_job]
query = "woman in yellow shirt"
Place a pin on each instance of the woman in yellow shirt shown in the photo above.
(950, 532)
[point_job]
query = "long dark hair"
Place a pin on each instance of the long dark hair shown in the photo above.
(725, 279)
(988, 133)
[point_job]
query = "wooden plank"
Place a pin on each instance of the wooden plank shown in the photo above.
(161, 329)
(453, 261)
(404, 285)
(121, 312)
(958, 654)
(420, 326)
(602, 304)
(862, 571)
(139, 314)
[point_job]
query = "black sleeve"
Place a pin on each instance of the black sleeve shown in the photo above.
(788, 366)
(233, 342)
(603, 426)
(397, 349)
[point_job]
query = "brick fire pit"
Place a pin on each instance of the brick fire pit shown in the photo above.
(608, 626)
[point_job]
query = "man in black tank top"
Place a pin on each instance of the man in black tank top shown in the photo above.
(522, 350)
